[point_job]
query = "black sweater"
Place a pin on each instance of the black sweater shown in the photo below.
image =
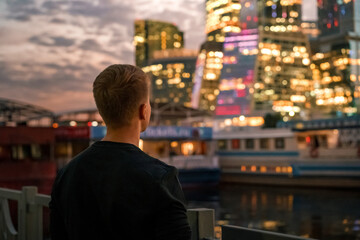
(116, 191)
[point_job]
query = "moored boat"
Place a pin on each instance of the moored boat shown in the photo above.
(322, 153)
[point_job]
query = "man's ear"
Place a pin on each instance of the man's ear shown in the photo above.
(142, 111)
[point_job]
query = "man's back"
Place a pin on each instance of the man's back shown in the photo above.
(115, 191)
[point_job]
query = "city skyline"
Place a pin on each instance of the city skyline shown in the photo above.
(51, 51)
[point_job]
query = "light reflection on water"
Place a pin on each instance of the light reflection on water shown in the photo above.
(317, 213)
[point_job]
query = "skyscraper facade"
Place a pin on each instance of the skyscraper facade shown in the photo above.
(336, 59)
(311, 29)
(222, 17)
(283, 77)
(237, 75)
(171, 73)
(206, 81)
(151, 36)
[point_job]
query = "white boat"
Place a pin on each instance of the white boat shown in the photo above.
(305, 153)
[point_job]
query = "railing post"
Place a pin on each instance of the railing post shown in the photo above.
(202, 223)
(22, 217)
(30, 215)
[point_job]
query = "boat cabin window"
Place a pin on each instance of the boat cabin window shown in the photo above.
(222, 144)
(249, 143)
(187, 148)
(301, 139)
(235, 143)
(264, 143)
(279, 143)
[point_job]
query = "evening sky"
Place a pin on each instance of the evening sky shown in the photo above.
(51, 51)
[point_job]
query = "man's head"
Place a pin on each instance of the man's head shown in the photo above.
(121, 94)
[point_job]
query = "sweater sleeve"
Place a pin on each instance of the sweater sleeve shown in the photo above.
(172, 220)
(57, 226)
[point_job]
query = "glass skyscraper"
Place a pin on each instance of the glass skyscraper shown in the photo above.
(151, 36)
(222, 17)
(237, 75)
(337, 57)
(283, 77)
(171, 73)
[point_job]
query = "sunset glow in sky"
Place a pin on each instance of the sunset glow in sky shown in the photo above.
(51, 51)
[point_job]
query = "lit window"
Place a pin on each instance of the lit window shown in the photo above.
(235, 143)
(187, 148)
(222, 144)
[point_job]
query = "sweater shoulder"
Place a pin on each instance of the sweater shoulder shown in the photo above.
(157, 169)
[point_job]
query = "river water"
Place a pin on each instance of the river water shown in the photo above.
(326, 214)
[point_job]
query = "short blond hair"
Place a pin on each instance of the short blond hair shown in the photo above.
(118, 92)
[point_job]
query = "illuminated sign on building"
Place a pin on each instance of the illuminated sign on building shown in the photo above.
(162, 132)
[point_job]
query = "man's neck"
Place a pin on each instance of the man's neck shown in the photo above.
(129, 134)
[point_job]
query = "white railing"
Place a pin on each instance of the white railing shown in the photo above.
(30, 216)
(30, 213)
(30, 221)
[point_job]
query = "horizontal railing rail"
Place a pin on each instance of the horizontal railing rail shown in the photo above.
(234, 233)
(10, 194)
(42, 199)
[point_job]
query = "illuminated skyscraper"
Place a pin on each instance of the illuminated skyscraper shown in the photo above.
(222, 16)
(206, 80)
(237, 75)
(151, 35)
(311, 29)
(171, 73)
(283, 76)
(337, 60)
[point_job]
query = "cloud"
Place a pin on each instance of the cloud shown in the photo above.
(46, 91)
(58, 20)
(52, 41)
(90, 44)
(63, 46)
(21, 10)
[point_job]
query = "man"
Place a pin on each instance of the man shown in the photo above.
(113, 190)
